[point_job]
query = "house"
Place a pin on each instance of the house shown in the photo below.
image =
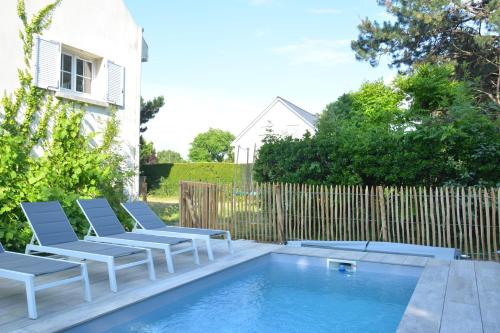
(92, 53)
(281, 117)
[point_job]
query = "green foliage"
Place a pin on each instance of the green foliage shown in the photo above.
(164, 179)
(335, 112)
(169, 156)
(376, 103)
(285, 159)
(64, 165)
(438, 31)
(212, 146)
(149, 109)
(147, 152)
(426, 129)
(432, 89)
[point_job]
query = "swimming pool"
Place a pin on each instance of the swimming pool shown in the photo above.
(273, 293)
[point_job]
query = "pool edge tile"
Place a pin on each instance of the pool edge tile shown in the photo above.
(424, 311)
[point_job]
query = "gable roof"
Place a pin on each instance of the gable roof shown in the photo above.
(307, 117)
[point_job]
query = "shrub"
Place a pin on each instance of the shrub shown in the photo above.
(164, 179)
(426, 129)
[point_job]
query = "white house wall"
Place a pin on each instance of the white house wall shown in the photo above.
(103, 28)
(280, 120)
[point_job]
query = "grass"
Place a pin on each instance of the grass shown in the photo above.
(167, 208)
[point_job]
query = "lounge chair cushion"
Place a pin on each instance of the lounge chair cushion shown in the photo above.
(99, 248)
(143, 215)
(148, 220)
(49, 222)
(150, 238)
(102, 217)
(32, 265)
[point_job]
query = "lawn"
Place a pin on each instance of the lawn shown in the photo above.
(167, 208)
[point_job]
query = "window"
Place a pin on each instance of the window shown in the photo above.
(66, 61)
(76, 73)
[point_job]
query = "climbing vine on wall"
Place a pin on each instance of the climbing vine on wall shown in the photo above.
(45, 152)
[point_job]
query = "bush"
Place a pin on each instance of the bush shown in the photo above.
(164, 179)
(426, 129)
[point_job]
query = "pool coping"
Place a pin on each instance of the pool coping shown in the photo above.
(449, 296)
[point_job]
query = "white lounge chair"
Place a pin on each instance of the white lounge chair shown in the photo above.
(54, 234)
(147, 222)
(108, 229)
(25, 268)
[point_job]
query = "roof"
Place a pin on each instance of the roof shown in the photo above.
(307, 117)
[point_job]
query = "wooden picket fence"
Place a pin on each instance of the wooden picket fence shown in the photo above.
(464, 218)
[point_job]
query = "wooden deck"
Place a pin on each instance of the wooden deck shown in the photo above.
(64, 306)
(450, 296)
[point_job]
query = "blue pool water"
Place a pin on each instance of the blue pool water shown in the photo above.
(274, 293)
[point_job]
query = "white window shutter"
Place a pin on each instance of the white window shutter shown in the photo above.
(116, 84)
(46, 63)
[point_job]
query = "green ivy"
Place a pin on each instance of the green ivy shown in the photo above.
(46, 154)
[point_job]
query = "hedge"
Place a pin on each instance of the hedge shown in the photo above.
(163, 179)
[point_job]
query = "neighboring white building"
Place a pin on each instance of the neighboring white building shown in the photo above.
(91, 53)
(281, 117)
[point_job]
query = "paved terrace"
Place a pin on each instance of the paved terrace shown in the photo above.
(457, 296)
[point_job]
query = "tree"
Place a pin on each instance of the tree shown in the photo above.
(169, 156)
(334, 113)
(212, 146)
(464, 32)
(149, 110)
(147, 152)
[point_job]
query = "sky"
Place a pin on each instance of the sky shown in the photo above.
(220, 63)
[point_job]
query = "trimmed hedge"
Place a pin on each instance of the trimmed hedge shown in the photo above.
(163, 179)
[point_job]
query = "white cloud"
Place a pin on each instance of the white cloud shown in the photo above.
(325, 11)
(319, 52)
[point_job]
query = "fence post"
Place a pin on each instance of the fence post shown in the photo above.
(143, 188)
(383, 215)
(181, 205)
(279, 212)
(190, 209)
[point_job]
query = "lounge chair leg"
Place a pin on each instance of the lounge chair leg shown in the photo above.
(168, 257)
(229, 242)
(195, 252)
(209, 249)
(151, 267)
(86, 284)
(112, 275)
(30, 297)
